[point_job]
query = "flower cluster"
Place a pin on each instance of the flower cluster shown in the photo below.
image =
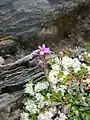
(44, 98)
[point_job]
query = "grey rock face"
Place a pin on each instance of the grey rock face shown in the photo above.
(8, 102)
(25, 17)
(20, 16)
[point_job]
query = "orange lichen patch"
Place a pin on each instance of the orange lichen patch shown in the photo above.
(78, 83)
(87, 88)
(68, 83)
(70, 75)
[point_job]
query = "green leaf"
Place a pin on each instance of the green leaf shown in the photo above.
(68, 77)
(44, 92)
(60, 75)
(87, 116)
(33, 117)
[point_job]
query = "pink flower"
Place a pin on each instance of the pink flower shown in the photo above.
(44, 50)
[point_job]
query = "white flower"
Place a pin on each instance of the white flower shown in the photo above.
(67, 62)
(48, 95)
(56, 67)
(31, 107)
(54, 88)
(54, 73)
(77, 69)
(47, 103)
(84, 65)
(53, 110)
(61, 79)
(62, 88)
(29, 88)
(41, 104)
(41, 101)
(45, 85)
(39, 97)
(53, 77)
(81, 58)
(48, 114)
(45, 116)
(41, 117)
(38, 87)
(76, 63)
(62, 116)
(41, 86)
(86, 53)
(24, 116)
(57, 60)
(66, 72)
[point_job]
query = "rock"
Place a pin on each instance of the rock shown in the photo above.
(7, 46)
(12, 83)
(26, 17)
(50, 31)
(16, 115)
(8, 103)
(1, 60)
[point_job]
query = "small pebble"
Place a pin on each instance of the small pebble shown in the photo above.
(1, 61)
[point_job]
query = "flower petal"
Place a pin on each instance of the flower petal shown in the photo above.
(40, 47)
(47, 50)
(43, 46)
(41, 52)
